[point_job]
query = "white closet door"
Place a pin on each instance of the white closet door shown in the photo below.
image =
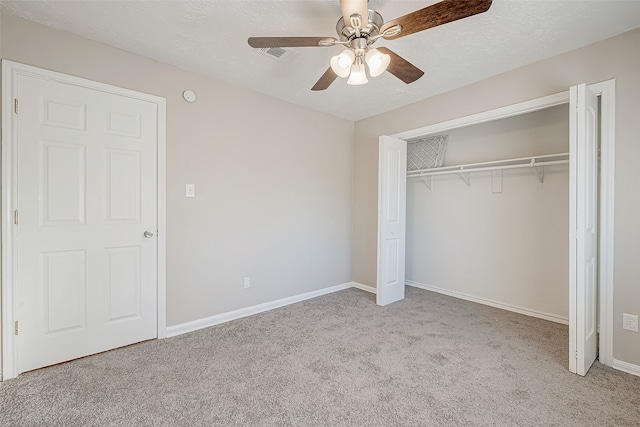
(583, 252)
(392, 208)
(86, 194)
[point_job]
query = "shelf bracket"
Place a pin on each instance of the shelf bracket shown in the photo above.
(496, 182)
(539, 172)
(427, 181)
(465, 177)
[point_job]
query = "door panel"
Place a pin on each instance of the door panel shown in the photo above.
(63, 181)
(583, 340)
(123, 186)
(391, 220)
(392, 260)
(63, 114)
(65, 285)
(86, 192)
(123, 282)
(124, 124)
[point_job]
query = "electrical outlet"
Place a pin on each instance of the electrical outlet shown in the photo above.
(247, 283)
(629, 322)
(190, 190)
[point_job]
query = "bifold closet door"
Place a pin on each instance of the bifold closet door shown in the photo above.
(583, 229)
(392, 207)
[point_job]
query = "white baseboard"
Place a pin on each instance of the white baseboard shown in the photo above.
(194, 325)
(508, 307)
(629, 368)
(363, 287)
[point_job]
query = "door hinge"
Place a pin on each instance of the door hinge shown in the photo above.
(15, 216)
(16, 328)
(15, 105)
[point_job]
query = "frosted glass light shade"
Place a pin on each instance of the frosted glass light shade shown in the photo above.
(341, 64)
(377, 62)
(358, 75)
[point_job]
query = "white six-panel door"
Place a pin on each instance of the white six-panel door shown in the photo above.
(86, 194)
(583, 250)
(392, 207)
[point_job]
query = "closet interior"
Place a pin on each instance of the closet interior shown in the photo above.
(488, 213)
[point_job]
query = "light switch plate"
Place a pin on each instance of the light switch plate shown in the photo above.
(191, 190)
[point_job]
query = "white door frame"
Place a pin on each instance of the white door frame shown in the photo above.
(10, 72)
(606, 91)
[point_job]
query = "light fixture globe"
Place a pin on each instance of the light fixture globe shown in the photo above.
(358, 75)
(377, 62)
(341, 64)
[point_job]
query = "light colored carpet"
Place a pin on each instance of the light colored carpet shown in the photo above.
(337, 360)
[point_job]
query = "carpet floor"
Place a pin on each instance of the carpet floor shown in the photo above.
(336, 360)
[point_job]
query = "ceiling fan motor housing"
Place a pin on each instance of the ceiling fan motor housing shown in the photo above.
(371, 29)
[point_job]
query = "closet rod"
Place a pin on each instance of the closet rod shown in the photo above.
(461, 169)
(534, 161)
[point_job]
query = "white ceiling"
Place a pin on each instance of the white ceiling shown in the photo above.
(210, 37)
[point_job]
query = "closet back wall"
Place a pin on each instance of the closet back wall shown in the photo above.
(511, 247)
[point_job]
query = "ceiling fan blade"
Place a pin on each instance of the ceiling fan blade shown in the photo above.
(440, 13)
(401, 68)
(260, 42)
(349, 7)
(325, 81)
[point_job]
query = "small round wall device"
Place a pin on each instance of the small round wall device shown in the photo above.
(189, 95)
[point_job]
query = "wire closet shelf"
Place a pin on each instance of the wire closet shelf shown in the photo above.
(536, 162)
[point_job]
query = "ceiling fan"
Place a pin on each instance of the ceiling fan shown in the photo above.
(358, 35)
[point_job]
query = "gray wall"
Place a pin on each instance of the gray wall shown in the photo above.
(511, 248)
(273, 180)
(613, 58)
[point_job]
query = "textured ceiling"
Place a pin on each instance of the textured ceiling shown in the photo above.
(210, 37)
